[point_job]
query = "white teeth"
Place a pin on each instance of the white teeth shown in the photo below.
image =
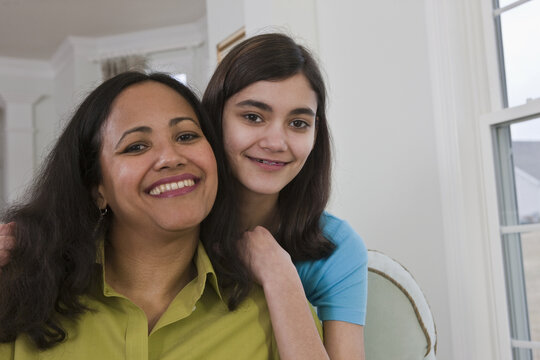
(160, 189)
(268, 162)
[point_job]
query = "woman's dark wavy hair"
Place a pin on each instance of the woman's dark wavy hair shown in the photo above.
(59, 225)
(274, 57)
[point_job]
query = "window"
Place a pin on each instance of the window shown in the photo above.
(515, 140)
(519, 30)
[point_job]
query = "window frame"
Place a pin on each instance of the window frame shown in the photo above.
(500, 114)
(488, 123)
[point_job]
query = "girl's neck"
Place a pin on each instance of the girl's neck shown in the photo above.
(259, 210)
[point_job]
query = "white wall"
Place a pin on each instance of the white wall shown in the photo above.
(30, 82)
(223, 18)
(386, 180)
(386, 176)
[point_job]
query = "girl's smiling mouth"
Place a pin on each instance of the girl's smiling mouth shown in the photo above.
(266, 163)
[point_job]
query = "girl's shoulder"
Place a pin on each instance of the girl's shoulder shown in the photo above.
(350, 250)
(341, 233)
(337, 284)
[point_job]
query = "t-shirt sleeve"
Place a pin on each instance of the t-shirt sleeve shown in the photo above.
(337, 285)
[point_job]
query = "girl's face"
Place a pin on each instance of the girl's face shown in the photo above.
(269, 130)
(158, 169)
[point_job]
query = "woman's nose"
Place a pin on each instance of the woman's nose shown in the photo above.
(169, 156)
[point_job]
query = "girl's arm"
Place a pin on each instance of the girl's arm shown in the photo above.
(7, 241)
(344, 340)
(294, 327)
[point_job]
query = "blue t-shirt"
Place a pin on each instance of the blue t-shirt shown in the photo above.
(337, 285)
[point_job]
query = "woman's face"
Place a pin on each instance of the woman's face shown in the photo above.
(158, 169)
(269, 130)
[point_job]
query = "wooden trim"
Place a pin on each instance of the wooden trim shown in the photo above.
(227, 44)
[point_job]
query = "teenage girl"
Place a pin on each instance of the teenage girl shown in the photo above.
(267, 101)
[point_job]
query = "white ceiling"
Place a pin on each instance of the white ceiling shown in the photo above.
(34, 29)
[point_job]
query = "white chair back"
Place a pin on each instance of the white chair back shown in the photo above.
(399, 323)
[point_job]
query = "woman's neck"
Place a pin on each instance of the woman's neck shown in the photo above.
(150, 271)
(259, 210)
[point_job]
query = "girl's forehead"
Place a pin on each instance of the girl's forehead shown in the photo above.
(293, 91)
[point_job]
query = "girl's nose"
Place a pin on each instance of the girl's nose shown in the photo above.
(274, 139)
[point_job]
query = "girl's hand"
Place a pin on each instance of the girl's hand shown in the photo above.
(7, 241)
(266, 259)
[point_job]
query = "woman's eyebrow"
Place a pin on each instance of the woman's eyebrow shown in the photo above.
(177, 120)
(143, 129)
(255, 103)
(148, 130)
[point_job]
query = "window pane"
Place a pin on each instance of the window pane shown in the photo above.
(520, 30)
(530, 243)
(526, 162)
(516, 287)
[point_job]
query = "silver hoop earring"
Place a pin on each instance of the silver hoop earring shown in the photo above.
(103, 212)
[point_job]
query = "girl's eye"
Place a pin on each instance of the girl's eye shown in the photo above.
(135, 148)
(186, 137)
(299, 124)
(253, 118)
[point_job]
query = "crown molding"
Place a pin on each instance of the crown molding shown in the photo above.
(20, 67)
(184, 36)
(71, 47)
(151, 41)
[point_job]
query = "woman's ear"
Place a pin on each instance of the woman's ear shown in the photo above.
(99, 198)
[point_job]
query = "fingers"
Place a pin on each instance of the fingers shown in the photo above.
(7, 229)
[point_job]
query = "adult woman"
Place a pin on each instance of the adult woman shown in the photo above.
(267, 101)
(128, 183)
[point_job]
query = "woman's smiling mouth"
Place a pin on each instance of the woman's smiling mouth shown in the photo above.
(173, 186)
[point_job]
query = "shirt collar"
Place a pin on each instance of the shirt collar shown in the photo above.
(205, 271)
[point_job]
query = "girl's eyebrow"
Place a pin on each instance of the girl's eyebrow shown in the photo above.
(265, 107)
(303, 111)
(148, 130)
(255, 103)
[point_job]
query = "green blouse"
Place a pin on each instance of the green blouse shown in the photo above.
(196, 325)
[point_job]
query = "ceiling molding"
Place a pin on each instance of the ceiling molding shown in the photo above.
(71, 47)
(151, 41)
(184, 36)
(25, 68)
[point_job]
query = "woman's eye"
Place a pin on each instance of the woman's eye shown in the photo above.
(186, 137)
(135, 148)
(253, 118)
(299, 124)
